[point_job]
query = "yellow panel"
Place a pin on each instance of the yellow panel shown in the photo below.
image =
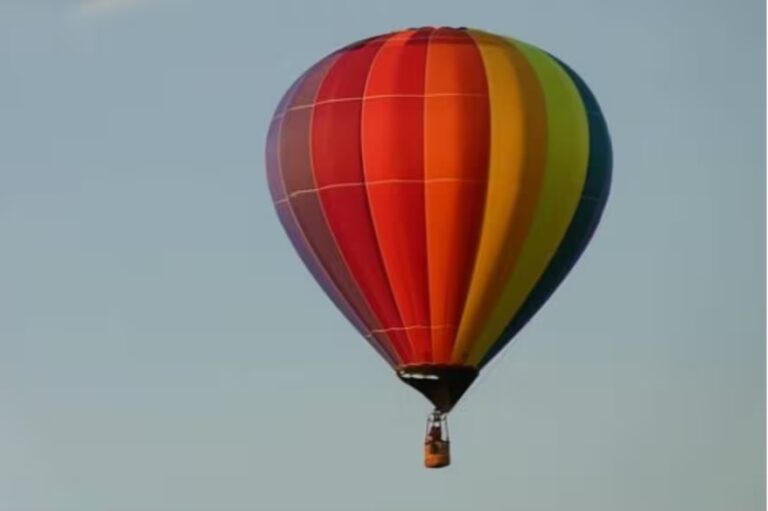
(565, 171)
(516, 168)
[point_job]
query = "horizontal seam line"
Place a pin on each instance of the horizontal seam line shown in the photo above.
(381, 96)
(410, 327)
(380, 182)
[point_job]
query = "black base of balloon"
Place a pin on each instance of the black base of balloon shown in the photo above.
(443, 385)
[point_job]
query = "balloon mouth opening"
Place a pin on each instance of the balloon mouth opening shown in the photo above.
(418, 376)
(442, 384)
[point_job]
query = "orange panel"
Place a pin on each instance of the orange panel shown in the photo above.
(456, 137)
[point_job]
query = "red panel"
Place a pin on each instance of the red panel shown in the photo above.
(337, 163)
(457, 139)
(305, 210)
(393, 161)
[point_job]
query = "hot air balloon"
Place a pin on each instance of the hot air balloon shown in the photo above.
(439, 184)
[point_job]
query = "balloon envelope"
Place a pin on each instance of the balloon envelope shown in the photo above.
(439, 184)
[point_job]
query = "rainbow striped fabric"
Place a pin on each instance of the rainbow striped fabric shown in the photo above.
(439, 184)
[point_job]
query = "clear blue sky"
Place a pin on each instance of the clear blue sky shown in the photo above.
(150, 354)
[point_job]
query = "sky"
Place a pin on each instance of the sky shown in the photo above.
(163, 349)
